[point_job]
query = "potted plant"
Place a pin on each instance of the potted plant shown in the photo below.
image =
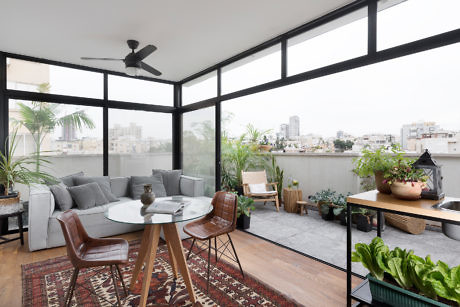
(376, 163)
(324, 200)
(363, 219)
(243, 212)
(406, 182)
(400, 278)
(264, 144)
(18, 170)
(340, 209)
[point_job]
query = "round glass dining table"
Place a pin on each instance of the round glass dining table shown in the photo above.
(132, 212)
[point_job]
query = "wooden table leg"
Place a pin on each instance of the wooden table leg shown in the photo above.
(150, 259)
(176, 245)
(172, 258)
(146, 239)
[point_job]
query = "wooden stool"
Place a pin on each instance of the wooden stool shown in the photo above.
(303, 205)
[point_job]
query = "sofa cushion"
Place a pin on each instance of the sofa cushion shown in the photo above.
(103, 182)
(88, 195)
(138, 182)
(69, 179)
(62, 196)
(120, 186)
(171, 180)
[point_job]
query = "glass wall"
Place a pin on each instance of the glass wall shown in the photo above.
(415, 19)
(38, 77)
(200, 88)
(261, 67)
(140, 91)
(139, 142)
(199, 146)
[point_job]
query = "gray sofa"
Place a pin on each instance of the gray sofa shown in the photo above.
(45, 231)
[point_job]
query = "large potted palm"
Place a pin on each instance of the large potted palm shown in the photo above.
(18, 170)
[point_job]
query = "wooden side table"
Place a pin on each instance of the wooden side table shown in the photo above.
(7, 211)
(290, 197)
(302, 205)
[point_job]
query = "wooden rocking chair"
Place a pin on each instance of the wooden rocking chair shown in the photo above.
(255, 186)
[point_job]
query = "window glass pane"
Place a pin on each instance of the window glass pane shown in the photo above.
(199, 146)
(70, 136)
(200, 88)
(37, 77)
(139, 142)
(336, 41)
(140, 91)
(415, 19)
(258, 68)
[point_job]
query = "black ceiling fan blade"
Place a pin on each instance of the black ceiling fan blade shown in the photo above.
(150, 69)
(145, 52)
(103, 59)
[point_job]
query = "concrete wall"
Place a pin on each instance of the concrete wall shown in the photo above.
(318, 171)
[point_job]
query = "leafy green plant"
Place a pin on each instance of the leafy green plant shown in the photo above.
(379, 160)
(324, 196)
(17, 170)
(264, 141)
(277, 175)
(409, 270)
(405, 172)
(245, 206)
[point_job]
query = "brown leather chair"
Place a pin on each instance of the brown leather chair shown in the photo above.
(220, 221)
(85, 252)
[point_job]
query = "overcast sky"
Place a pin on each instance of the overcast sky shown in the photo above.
(374, 99)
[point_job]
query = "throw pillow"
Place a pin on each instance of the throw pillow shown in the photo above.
(69, 179)
(258, 188)
(88, 195)
(138, 182)
(62, 197)
(103, 182)
(171, 180)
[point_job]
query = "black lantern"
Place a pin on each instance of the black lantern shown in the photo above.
(433, 171)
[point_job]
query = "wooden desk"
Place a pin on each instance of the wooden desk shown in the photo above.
(380, 202)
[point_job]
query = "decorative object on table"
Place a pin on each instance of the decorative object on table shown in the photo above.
(255, 186)
(18, 170)
(376, 163)
(147, 198)
(290, 197)
(406, 181)
(395, 274)
(432, 170)
(243, 212)
(165, 289)
(167, 207)
(408, 224)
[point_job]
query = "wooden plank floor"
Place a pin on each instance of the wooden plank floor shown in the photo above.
(307, 281)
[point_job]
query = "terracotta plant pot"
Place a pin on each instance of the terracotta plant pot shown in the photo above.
(408, 190)
(381, 187)
(265, 148)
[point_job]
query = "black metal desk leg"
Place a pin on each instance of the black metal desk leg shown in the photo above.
(21, 231)
(349, 254)
(379, 223)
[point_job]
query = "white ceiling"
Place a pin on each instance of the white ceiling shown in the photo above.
(191, 35)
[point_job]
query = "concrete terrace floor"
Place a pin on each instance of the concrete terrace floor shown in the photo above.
(326, 240)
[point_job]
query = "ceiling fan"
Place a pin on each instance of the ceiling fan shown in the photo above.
(133, 61)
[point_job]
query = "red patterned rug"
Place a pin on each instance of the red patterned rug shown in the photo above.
(45, 283)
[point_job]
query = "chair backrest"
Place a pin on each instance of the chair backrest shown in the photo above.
(74, 233)
(254, 177)
(225, 205)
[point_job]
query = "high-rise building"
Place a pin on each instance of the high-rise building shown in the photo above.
(284, 131)
(68, 132)
(294, 126)
(340, 134)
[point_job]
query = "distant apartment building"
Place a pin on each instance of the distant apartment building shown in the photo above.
(415, 131)
(294, 126)
(68, 132)
(374, 141)
(132, 130)
(284, 131)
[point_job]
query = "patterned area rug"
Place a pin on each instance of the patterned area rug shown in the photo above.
(45, 283)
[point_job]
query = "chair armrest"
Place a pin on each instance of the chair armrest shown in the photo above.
(191, 186)
(41, 207)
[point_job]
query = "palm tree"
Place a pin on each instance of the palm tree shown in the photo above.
(41, 118)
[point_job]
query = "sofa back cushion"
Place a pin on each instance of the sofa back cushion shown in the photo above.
(120, 186)
(88, 195)
(69, 179)
(62, 196)
(137, 185)
(103, 182)
(171, 180)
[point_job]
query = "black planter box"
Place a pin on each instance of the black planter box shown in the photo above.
(362, 222)
(243, 222)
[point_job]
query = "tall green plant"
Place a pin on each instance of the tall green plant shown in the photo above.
(18, 170)
(41, 118)
(277, 175)
(379, 160)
